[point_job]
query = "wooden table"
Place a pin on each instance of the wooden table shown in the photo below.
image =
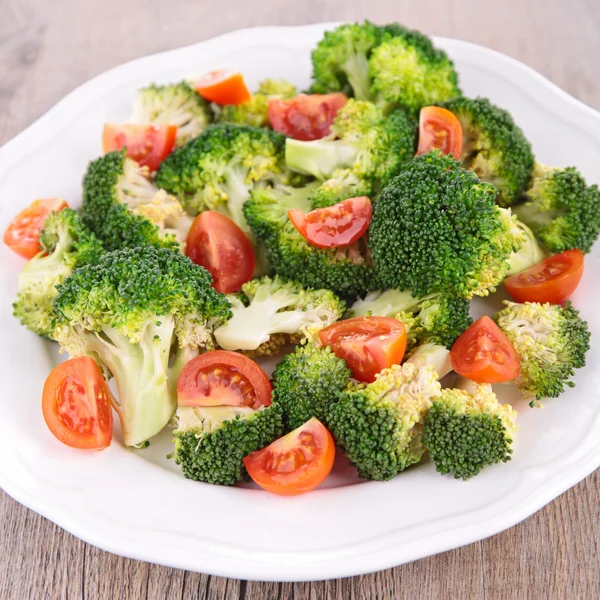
(48, 47)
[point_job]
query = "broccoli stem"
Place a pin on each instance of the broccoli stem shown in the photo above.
(182, 357)
(319, 158)
(528, 255)
(46, 267)
(141, 371)
(432, 354)
(356, 69)
(530, 213)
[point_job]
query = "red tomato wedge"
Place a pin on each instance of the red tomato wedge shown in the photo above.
(296, 463)
(216, 243)
(307, 116)
(367, 344)
(76, 404)
(439, 129)
(338, 225)
(484, 354)
(223, 378)
(23, 234)
(223, 86)
(148, 145)
(552, 280)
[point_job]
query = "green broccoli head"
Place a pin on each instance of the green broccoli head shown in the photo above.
(219, 169)
(494, 146)
(342, 184)
(368, 143)
(66, 244)
(345, 270)
(211, 442)
(128, 311)
(173, 104)
(255, 112)
(465, 432)
(379, 425)
(436, 229)
(562, 210)
(341, 60)
(125, 209)
(551, 342)
(407, 71)
(307, 382)
(276, 306)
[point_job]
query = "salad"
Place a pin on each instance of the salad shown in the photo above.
(343, 230)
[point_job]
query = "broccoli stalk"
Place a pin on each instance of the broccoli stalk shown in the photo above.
(432, 354)
(530, 253)
(127, 312)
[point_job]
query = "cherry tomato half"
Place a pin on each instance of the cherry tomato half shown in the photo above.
(216, 243)
(76, 404)
(367, 344)
(23, 234)
(334, 226)
(307, 116)
(148, 145)
(223, 86)
(223, 378)
(439, 129)
(296, 463)
(552, 280)
(484, 354)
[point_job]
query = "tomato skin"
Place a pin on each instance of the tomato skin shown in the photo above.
(306, 117)
(223, 378)
(367, 344)
(484, 354)
(223, 86)
(439, 128)
(148, 145)
(216, 243)
(296, 463)
(22, 236)
(76, 404)
(339, 225)
(553, 280)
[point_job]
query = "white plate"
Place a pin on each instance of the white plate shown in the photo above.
(138, 505)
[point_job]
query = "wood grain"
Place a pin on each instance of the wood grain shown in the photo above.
(47, 48)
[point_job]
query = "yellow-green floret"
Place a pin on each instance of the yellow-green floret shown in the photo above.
(379, 425)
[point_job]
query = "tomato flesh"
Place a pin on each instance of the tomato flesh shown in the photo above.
(223, 378)
(223, 86)
(76, 404)
(148, 145)
(339, 225)
(307, 116)
(439, 129)
(216, 243)
(296, 463)
(552, 280)
(484, 354)
(22, 236)
(367, 344)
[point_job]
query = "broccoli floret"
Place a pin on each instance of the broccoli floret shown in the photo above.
(345, 270)
(66, 244)
(343, 184)
(465, 432)
(562, 210)
(219, 169)
(431, 354)
(530, 253)
(211, 442)
(173, 104)
(369, 144)
(379, 425)
(307, 382)
(341, 60)
(494, 146)
(255, 111)
(436, 318)
(127, 312)
(276, 306)
(125, 209)
(436, 229)
(551, 342)
(407, 71)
